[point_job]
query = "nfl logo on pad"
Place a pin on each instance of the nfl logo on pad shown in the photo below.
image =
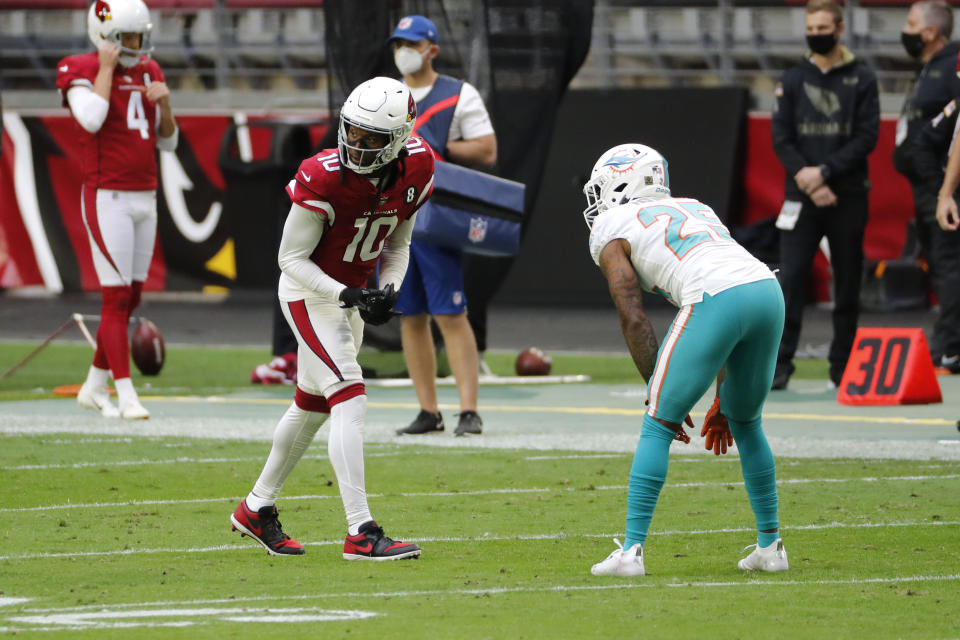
(478, 230)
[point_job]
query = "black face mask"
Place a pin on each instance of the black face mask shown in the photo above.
(822, 43)
(913, 43)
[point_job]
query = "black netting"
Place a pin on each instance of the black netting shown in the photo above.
(520, 54)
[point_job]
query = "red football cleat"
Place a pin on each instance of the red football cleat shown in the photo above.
(372, 544)
(264, 527)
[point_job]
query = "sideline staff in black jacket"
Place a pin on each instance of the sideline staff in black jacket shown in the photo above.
(825, 123)
(922, 155)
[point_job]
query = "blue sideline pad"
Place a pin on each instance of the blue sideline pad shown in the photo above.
(472, 211)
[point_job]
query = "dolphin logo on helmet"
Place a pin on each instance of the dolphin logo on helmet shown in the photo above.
(624, 173)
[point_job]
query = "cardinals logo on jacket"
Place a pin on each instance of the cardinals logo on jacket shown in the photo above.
(102, 11)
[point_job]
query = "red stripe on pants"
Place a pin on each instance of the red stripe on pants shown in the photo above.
(298, 311)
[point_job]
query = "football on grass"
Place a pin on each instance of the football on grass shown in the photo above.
(533, 362)
(147, 349)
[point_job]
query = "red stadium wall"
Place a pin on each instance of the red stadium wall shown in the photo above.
(43, 241)
(184, 262)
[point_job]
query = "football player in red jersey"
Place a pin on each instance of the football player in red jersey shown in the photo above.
(119, 99)
(352, 206)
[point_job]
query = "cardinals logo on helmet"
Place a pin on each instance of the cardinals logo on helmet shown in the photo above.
(102, 11)
(411, 109)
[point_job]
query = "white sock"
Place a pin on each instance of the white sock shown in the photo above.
(293, 435)
(98, 378)
(345, 449)
(125, 391)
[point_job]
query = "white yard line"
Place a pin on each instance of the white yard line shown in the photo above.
(478, 492)
(418, 593)
(473, 539)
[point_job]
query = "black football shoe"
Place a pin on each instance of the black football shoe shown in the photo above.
(264, 527)
(425, 422)
(371, 544)
(470, 423)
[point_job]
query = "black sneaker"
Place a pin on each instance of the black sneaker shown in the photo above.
(425, 422)
(470, 422)
(264, 527)
(780, 380)
(950, 363)
(372, 544)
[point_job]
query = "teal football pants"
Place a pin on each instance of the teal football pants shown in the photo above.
(739, 328)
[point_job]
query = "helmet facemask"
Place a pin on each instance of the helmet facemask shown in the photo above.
(108, 20)
(370, 160)
(383, 106)
(622, 174)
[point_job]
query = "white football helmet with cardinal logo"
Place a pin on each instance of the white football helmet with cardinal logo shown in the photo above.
(622, 174)
(108, 19)
(381, 105)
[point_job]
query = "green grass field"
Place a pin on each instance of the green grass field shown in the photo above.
(117, 533)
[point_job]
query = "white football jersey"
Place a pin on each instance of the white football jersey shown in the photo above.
(679, 248)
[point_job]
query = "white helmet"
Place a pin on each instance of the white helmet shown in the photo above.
(107, 19)
(381, 105)
(623, 173)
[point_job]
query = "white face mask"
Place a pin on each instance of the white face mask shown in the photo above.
(408, 60)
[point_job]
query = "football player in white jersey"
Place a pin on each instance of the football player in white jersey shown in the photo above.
(728, 327)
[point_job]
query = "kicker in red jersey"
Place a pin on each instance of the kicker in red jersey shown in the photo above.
(358, 219)
(122, 154)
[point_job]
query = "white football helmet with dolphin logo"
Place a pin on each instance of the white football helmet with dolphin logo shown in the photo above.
(624, 173)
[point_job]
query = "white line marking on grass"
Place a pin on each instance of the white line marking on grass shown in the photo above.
(484, 538)
(153, 617)
(116, 609)
(578, 456)
(478, 492)
(6, 602)
(182, 459)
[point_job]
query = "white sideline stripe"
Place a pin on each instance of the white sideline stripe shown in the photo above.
(183, 459)
(479, 492)
(497, 590)
(484, 538)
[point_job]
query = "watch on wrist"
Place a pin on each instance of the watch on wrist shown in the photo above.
(825, 171)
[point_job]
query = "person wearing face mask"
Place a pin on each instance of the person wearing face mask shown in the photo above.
(455, 123)
(121, 104)
(923, 139)
(825, 122)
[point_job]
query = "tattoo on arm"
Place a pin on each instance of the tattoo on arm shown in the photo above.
(626, 293)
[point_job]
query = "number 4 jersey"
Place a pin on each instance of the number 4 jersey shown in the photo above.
(679, 248)
(357, 220)
(122, 154)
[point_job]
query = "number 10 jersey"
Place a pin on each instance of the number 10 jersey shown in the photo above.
(356, 219)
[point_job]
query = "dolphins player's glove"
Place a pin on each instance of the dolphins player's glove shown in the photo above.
(681, 434)
(716, 430)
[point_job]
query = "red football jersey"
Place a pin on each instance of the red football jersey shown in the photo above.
(122, 154)
(359, 221)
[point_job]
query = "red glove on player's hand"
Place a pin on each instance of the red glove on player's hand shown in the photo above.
(716, 430)
(681, 434)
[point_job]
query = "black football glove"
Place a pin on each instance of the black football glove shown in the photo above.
(355, 297)
(378, 307)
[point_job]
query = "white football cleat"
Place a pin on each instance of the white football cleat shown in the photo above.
(622, 562)
(772, 558)
(133, 410)
(97, 400)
